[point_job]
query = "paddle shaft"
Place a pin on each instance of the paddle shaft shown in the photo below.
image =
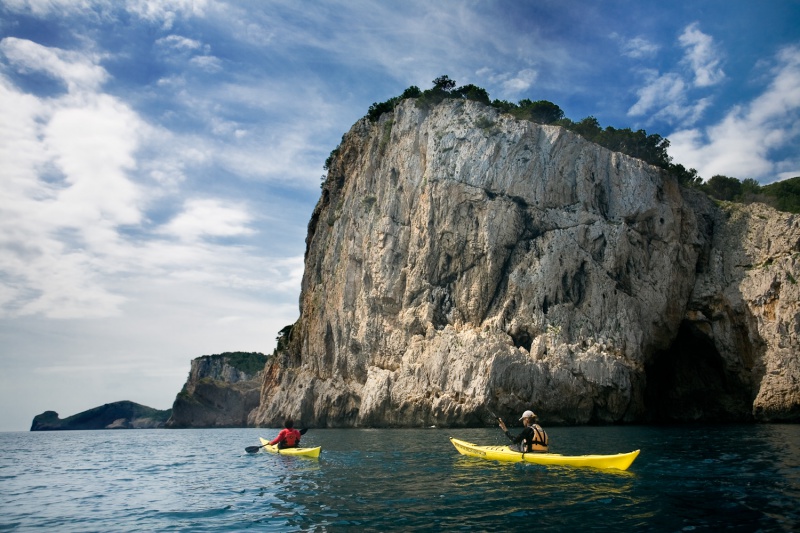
(502, 424)
(496, 418)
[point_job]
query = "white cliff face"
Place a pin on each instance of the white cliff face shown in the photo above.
(747, 302)
(460, 262)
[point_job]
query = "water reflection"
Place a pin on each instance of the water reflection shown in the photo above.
(551, 487)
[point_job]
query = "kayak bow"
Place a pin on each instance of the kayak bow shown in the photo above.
(620, 461)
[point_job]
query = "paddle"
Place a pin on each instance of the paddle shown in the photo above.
(495, 416)
(254, 449)
(502, 424)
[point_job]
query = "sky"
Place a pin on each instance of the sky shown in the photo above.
(160, 160)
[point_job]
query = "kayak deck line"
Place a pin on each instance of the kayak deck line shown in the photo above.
(300, 452)
(620, 461)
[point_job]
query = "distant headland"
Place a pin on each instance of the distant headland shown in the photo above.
(220, 391)
(116, 415)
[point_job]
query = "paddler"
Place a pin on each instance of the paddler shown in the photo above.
(532, 439)
(288, 437)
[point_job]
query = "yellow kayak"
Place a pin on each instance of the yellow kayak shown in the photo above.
(620, 461)
(305, 452)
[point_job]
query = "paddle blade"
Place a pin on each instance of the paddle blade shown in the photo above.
(252, 449)
(303, 431)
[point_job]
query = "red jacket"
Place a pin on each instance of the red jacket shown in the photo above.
(289, 437)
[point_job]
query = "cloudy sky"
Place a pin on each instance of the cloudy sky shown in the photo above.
(160, 159)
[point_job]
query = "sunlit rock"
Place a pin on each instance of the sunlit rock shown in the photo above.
(460, 262)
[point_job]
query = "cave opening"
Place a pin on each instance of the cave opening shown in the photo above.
(689, 382)
(522, 339)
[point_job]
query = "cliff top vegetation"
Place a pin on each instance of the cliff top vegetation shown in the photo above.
(652, 148)
(248, 362)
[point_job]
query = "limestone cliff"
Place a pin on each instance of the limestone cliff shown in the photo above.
(220, 391)
(461, 261)
(742, 322)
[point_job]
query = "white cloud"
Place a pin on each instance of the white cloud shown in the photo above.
(80, 173)
(637, 47)
(179, 43)
(207, 63)
(512, 83)
(666, 96)
(271, 130)
(179, 50)
(522, 81)
(741, 144)
(20, 149)
(92, 140)
(166, 12)
(65, 186)
(661, 88)
(702, 56)
(77, 71)
(41, 8)
(209, 218)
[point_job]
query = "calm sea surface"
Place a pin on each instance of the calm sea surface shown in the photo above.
(709, 478)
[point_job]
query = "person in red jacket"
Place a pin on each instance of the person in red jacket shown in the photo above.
(288, 437)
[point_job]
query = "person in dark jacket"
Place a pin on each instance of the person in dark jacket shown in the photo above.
(532, 439)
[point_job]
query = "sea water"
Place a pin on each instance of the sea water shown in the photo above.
(687, 478)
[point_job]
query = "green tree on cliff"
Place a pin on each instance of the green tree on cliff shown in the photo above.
(444, 84)
(472, 92)
(540, 111)
(723, 188)
(785, 194)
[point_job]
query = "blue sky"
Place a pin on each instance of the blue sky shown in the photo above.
(160, 160)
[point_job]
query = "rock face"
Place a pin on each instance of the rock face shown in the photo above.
(117, 415)
(740, 335)
(460, 261)
(221, 391)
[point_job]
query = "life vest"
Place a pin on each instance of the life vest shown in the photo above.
(291, 438)
(287, 438)
(539, 440)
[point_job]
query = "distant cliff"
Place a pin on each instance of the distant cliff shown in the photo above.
(117, 415)
(460, 261)
(221, 391)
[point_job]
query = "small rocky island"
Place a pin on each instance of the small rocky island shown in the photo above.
(116, 415)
